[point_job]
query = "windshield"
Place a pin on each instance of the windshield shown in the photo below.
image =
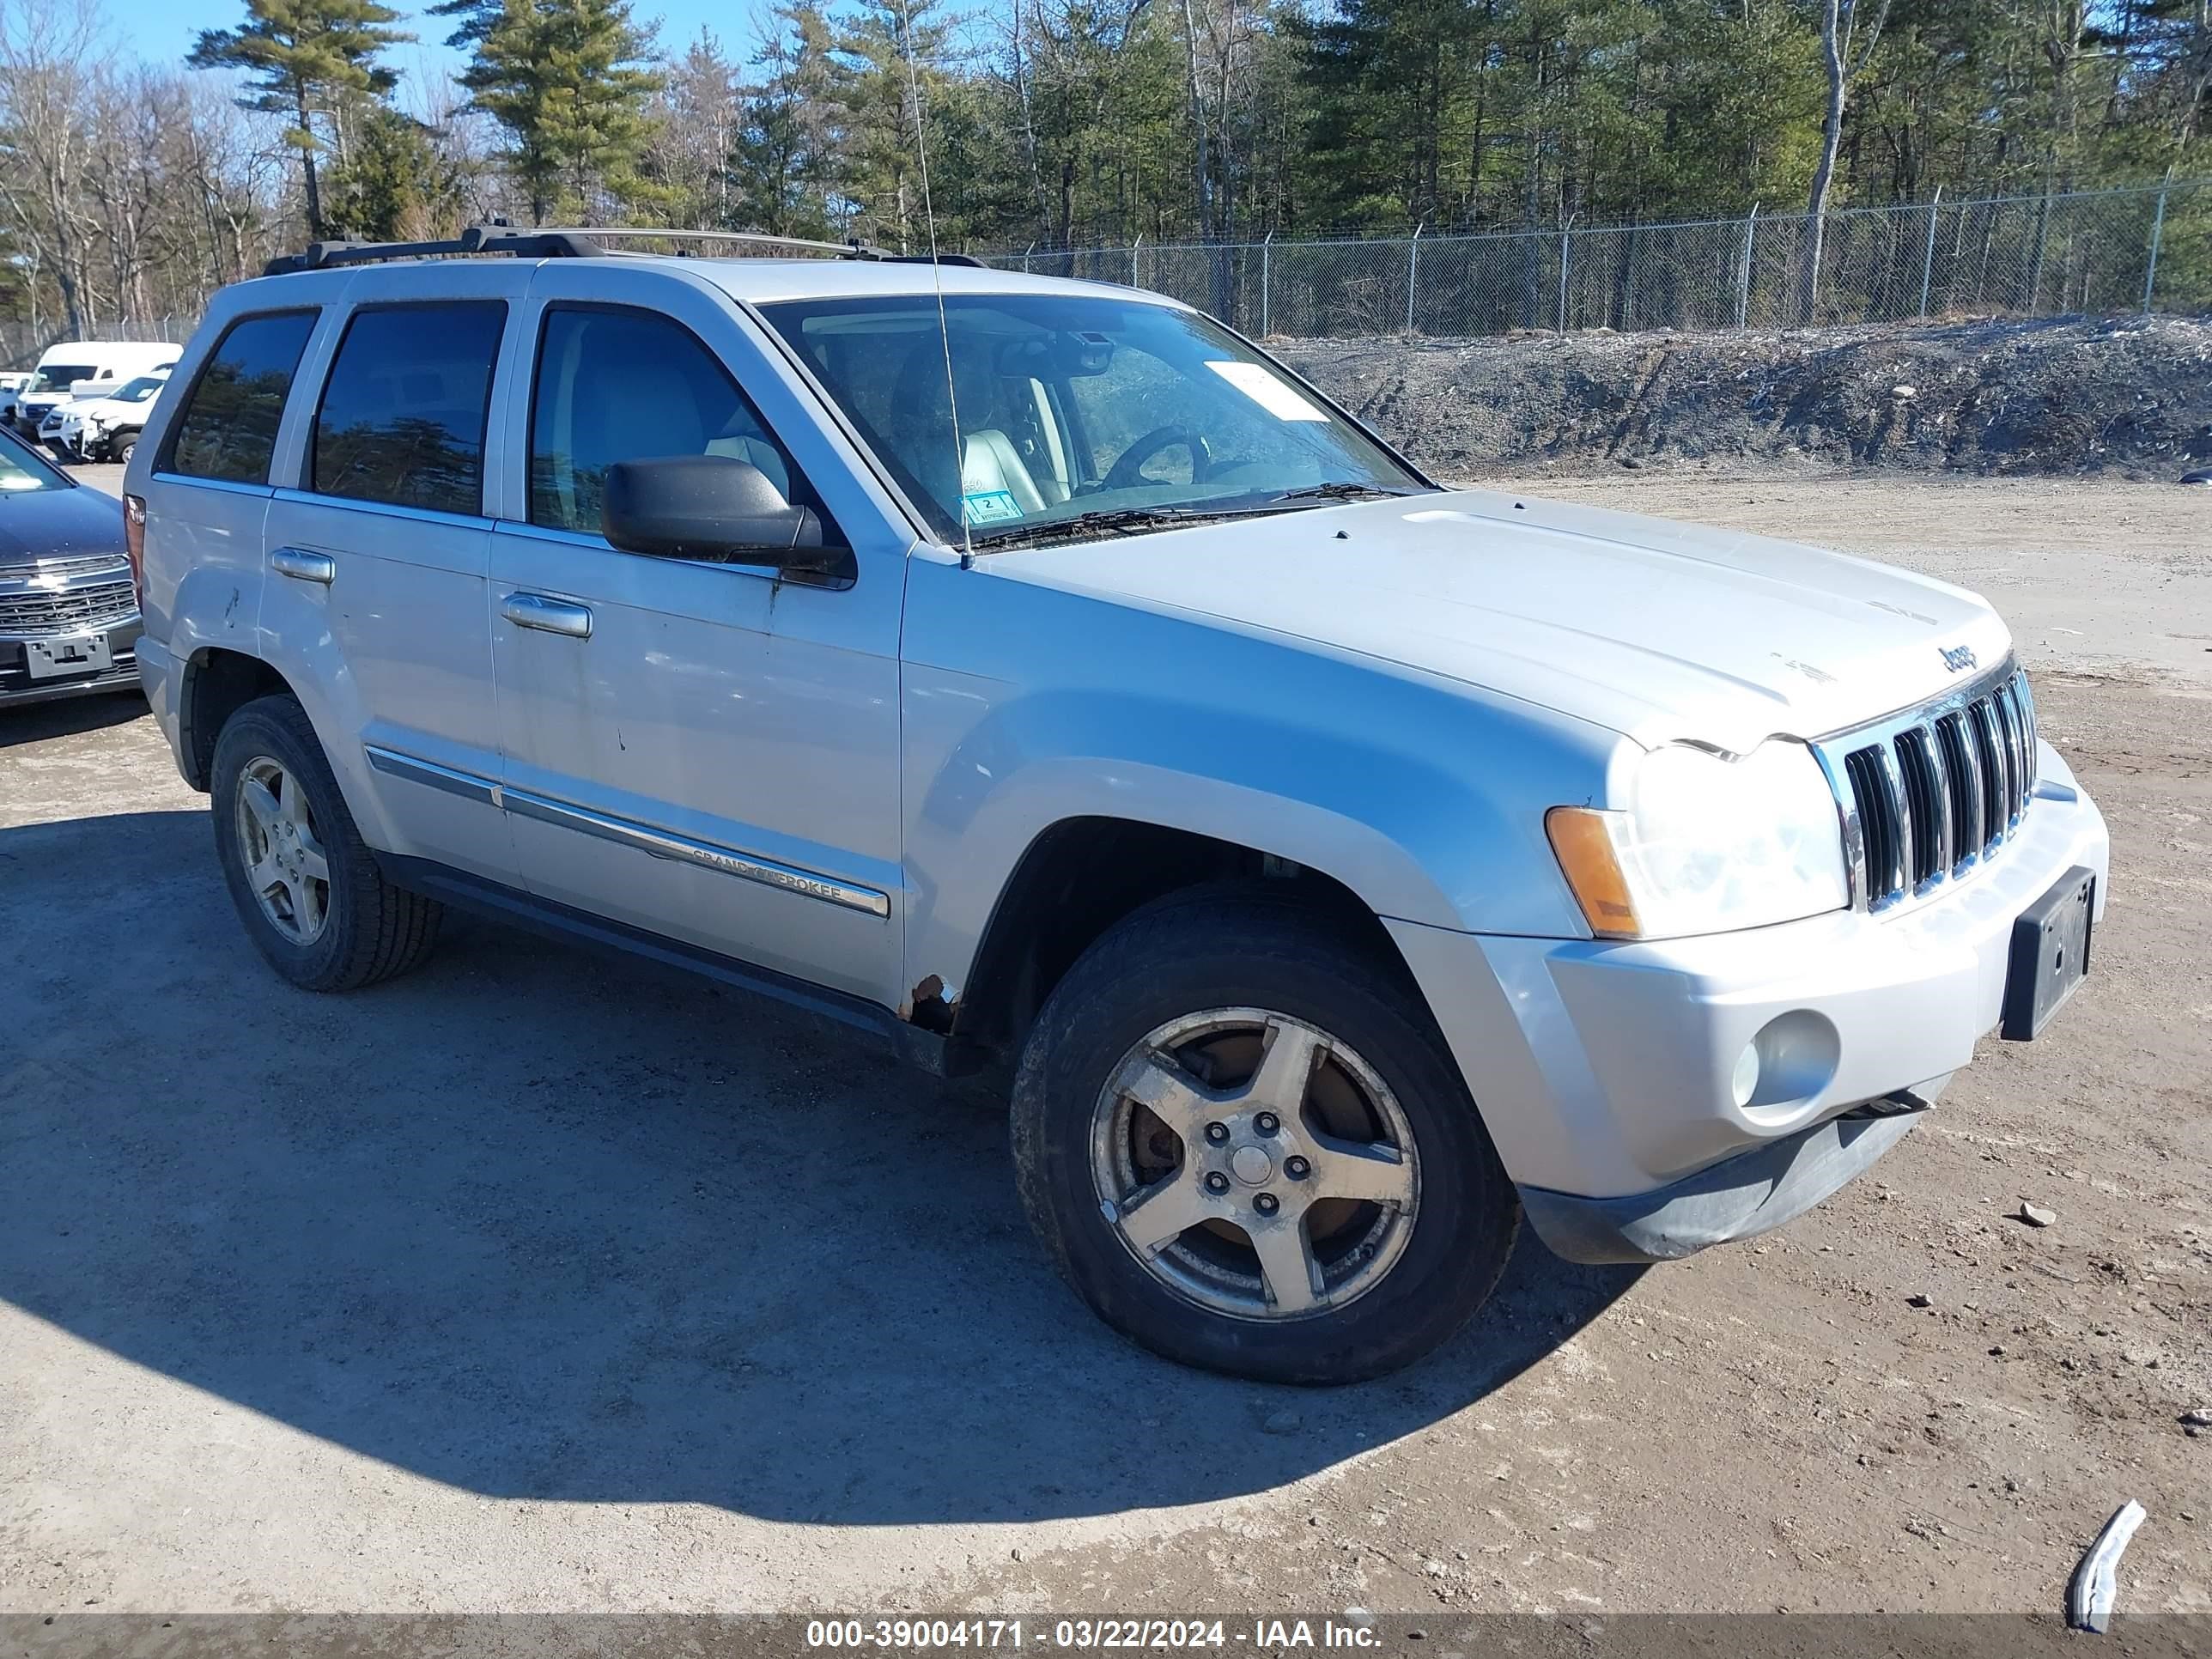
(138, 391)
(58, 377)
(21, 470)
(1074, 409)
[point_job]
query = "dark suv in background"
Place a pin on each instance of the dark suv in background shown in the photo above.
(68, 613)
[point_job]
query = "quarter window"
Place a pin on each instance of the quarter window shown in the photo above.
(403, 414)
(229, 427)
(627, 386)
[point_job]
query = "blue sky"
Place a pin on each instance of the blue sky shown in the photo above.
(162, 31)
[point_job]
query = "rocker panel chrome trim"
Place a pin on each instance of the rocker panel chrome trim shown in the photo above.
(626, 832)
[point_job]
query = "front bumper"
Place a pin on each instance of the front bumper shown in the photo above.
(17, 685)
(1739, 1197)
(1604, 1070)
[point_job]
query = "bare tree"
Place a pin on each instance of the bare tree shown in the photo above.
(50, 58)
(1844, 53)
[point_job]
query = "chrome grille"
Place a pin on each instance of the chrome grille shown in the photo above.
(67, 611)
(1927, 795)
(64, 564)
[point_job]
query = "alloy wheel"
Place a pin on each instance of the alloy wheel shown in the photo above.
(281, 852)
(1255, 1164)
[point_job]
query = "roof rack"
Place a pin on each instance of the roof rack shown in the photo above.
(574, 244)
(477, 238)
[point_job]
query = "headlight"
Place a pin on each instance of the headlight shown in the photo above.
(1707, 845)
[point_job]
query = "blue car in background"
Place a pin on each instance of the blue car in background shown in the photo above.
(69, 607)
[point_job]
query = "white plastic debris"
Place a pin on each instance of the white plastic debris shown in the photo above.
(2089, 1597)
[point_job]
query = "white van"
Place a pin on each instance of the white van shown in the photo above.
(61, 366)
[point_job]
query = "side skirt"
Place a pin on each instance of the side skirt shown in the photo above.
(925, 1050)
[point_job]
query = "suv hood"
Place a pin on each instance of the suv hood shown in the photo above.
(1657, 629)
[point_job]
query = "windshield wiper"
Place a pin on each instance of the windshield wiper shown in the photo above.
(1340, 490)
(1112, 521)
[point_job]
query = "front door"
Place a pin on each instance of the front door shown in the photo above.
(699, 750)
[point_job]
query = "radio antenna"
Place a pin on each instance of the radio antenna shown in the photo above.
(937, 275)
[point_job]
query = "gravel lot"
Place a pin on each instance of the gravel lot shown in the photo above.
(541, 1281)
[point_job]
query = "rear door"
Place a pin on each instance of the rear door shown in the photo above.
(208, 491)
(377, 550)
(699, 751)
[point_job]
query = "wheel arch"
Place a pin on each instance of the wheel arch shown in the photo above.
(1082, 875)
(216, 683)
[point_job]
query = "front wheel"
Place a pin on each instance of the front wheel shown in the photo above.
(1240, 1135)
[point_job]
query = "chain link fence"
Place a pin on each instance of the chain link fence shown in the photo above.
(2103, 252)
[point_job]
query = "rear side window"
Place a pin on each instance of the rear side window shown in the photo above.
(403, 414)
(626, 385)
(229, 427)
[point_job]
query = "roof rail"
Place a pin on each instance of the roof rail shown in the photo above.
(575, 243)
(477, 238)
(852, 249)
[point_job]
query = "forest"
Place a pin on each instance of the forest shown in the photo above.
(131, 190)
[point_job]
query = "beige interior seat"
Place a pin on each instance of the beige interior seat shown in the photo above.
(990, 463)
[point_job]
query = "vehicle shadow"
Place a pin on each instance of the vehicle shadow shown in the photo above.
(36, 723)
(541, 1223)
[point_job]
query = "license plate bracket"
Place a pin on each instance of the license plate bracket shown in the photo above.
(48, 659)
(2049, 954)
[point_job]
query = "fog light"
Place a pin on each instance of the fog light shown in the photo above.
(1745, 1084)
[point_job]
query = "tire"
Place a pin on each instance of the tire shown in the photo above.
(118, 449)
(349, 928)
(1220, 978)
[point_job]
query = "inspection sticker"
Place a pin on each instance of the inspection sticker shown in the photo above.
(990, 506)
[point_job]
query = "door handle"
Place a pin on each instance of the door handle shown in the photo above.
(303, 566)
(547, 615)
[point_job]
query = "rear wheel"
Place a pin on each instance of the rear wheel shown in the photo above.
(305, 884)
(1243, 1139)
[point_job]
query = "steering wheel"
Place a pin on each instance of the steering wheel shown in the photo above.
(1124, 473)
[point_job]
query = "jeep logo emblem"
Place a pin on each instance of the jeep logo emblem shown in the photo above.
(1958, 658)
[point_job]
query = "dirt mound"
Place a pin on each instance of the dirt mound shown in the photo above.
(2064, 396)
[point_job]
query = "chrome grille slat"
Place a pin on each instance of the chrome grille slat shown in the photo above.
(1926, 794)
(68, 610)
(2023, 750)
(1963, 763)
(2002, 714)
(64, 564)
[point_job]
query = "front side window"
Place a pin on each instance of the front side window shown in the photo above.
(627, 386)
(229, 427)
(1031, 414)
(403, 414)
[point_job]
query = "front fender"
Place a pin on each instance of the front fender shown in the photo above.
(1424, 798)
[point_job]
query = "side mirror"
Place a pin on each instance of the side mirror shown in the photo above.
(716, 508)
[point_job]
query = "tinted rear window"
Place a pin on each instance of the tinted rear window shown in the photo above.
(229, 427)
(403, 417)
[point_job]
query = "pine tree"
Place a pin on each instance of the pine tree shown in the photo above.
(893, 57)
(567, 80)
(786, 162)
(306, 57)
(393, 186)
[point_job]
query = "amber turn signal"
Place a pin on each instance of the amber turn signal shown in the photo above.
(1583, 846)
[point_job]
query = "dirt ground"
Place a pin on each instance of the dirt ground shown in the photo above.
(539, 1281)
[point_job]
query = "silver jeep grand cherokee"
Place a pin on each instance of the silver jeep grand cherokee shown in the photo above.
(1019, 668)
